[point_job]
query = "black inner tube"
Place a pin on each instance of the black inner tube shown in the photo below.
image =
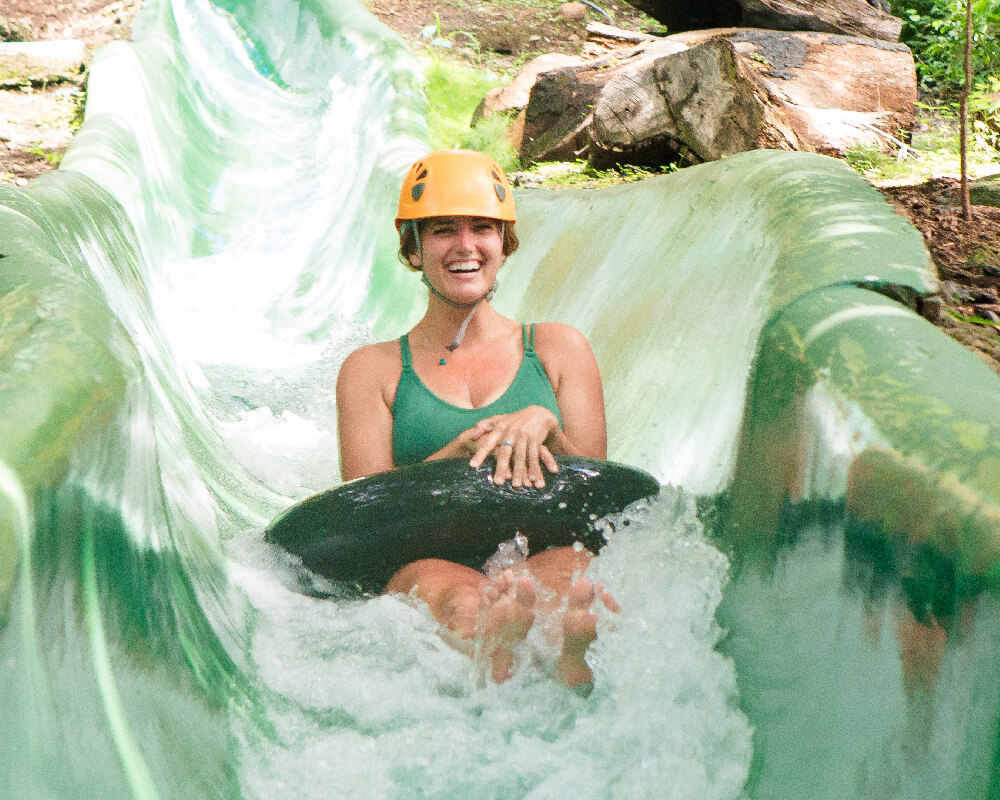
(362, 532)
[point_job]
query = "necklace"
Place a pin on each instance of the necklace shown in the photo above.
(454, 304)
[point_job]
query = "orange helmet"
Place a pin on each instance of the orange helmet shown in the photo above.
(449, 183)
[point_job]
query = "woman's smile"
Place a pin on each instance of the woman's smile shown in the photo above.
(460, 253)
(464, 266)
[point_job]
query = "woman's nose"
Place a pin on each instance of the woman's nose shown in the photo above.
(466, 235)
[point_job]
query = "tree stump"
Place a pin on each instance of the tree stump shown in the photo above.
(747, 89)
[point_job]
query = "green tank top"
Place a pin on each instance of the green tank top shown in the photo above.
(423, 423)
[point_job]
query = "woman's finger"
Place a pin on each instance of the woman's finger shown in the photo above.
(519, 458)
(486, 443)
(502, 456)
(535, 476)
(547, 458)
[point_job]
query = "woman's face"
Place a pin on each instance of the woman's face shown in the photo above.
(460, 255)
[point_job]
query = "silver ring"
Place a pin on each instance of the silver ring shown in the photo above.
(507, 442)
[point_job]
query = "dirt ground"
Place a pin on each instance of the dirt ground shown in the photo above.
(37, 123)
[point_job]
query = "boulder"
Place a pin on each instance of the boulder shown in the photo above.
(747, 89)
(514, 96)
(573, 12)
(849, 17)
(54, 61)
(559, 109)
(701, 104)
(690, 15)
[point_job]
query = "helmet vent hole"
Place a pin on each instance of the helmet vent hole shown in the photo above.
(417, 191)
(501, 192)
(422, 175)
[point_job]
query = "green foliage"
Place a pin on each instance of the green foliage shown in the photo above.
(490, 137)
(867, 159)
(453, 91)
(935, 32)
(934, 147)
(78, 102)
(52, 156)
(583, 175)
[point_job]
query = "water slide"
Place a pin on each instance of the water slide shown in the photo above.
(809, 609)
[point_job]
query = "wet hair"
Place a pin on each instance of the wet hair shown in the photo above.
(408, 241)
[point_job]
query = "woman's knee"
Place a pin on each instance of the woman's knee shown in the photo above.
(416, 573)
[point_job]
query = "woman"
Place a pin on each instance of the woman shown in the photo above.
(467, 381)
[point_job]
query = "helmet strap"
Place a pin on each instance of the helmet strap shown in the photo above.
(472, 306)
(454, 304)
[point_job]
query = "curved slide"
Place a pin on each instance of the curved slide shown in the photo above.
(174, 302)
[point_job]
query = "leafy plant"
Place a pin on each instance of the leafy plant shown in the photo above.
(51, 156)
(453, 91)
(934, 31)
(583, 175)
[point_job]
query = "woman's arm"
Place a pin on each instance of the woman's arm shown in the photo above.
(364, 415)
(576, 379)
(534, 433)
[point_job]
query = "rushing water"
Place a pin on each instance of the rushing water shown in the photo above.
(177, 299)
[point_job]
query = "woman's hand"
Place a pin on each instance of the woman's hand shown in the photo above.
(518, 443)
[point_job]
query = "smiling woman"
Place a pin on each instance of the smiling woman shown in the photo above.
(467, 381)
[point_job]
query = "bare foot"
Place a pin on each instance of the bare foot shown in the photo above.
(580, 629)
(507, 616)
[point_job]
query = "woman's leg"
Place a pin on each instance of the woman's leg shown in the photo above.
(466, 603)
(561, 570)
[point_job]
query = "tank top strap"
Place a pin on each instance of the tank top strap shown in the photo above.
(528, 338)
(404, 351)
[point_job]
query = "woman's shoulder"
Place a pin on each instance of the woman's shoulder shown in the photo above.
(559, 338)
(565, 353)
(372, 363)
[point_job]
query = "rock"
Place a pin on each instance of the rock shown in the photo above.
(573, 12)
(690, 15)
(559, 109)
(985, 191)
(700, 103)
(514, 96)
(848, 17)
(932, 308)
(16, 30)
(558, 114)
(54, 61)
(746, 89)
(988, 313)
(956, 291)
(620, 36)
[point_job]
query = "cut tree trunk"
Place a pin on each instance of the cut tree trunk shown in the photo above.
(747, 89)
(849, 17)
(559, 109)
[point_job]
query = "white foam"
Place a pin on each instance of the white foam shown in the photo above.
(375, 704)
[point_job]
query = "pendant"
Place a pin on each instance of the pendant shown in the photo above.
(443, 361)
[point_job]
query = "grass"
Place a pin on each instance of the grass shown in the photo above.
(453, 92)
(933, 150)
(582, 175)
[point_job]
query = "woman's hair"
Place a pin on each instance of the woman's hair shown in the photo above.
(408, 240)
